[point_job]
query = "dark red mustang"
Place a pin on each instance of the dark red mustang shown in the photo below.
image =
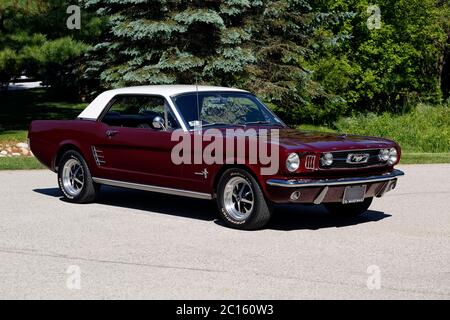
(133, 138)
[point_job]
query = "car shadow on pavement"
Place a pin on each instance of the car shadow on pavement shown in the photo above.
(149, 202)
(285, 217)
(314, 217)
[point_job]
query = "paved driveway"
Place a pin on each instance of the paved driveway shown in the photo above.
(141, 245)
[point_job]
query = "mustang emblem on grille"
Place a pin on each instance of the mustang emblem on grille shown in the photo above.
(357, 158)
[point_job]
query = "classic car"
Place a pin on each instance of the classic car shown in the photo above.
(125, 138)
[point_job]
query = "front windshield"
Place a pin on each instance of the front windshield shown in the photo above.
(222, 109)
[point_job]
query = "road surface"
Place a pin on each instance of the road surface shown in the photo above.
(138, 245)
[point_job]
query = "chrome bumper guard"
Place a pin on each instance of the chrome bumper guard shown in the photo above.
(308, 183)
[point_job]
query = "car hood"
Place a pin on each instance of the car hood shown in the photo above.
(317, 141)
(311, 141)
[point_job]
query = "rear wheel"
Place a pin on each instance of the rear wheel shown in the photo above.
(241, 202)
(75, 180)
(352, 209)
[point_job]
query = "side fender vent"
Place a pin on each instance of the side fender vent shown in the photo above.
(98, 156)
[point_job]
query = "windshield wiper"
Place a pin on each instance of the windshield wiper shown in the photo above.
(262, 122)
(220, 124)
(215, 124)
(258, 122)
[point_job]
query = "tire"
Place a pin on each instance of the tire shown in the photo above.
(352, 209)
(241, 202)
(75, 180)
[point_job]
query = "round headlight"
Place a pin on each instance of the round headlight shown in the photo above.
(292, 162)
(383, 155)
(392, 156)
(327, 159)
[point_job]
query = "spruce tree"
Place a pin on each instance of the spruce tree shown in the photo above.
(163, 42)
(263, 46)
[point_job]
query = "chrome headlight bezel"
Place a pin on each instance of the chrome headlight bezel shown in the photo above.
(326, 159)
(292, 162)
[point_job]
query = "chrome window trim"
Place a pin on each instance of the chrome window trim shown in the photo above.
(152, 188)
(308, 183)
(271, 112)
(174, 109)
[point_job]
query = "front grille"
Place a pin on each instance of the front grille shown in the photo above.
(340, 159)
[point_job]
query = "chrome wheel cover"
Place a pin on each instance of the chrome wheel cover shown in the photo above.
(73, 177)
(238, 198)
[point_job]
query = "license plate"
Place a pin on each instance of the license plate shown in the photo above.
(354, 194)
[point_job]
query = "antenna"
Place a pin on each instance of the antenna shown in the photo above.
(198, 100)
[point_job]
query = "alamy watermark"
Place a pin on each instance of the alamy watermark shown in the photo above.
(74, 19)
(230, 146)
(374, 279)
(374, 20)
(73, 281)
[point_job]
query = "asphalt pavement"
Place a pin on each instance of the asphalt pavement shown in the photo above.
(139, 245)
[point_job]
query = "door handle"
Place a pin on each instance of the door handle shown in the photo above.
(110, 133)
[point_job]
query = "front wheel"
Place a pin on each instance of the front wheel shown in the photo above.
(75, 180)
(241, 202)
(352, 209)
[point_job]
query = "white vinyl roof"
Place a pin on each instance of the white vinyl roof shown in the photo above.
(95, 108)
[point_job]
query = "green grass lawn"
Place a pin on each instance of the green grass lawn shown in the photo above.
(13, 136)
(424, 158)
(426, 129)
(20, 163)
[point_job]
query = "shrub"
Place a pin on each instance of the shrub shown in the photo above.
(425, 129)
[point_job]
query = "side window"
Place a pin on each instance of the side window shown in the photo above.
(139, 112)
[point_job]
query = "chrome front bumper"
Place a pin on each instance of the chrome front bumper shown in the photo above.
(303, 183)
(329, 190)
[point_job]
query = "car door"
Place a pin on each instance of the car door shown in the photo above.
(132, 149)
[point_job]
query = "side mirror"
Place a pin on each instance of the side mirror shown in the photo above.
(158, 123)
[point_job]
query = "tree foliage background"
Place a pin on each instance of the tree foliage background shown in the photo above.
(35, 41)
(312, 61)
